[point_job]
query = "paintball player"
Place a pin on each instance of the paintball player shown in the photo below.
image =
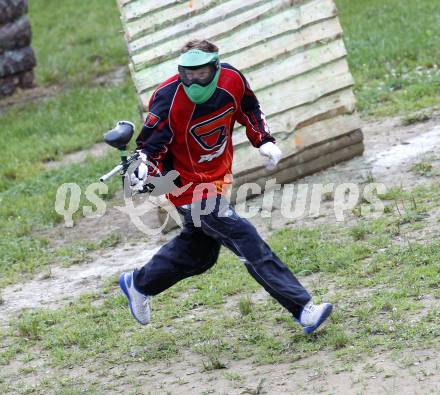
(189, 129)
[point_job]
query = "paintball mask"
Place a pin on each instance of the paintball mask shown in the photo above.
(199, 72)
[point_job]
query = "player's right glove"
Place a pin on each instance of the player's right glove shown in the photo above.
(138, 178)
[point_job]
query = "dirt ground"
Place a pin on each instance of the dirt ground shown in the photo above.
(390, 150)
(409, 374)
(377, 374)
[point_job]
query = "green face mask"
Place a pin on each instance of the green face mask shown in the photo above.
(199, 88)
(199, 94)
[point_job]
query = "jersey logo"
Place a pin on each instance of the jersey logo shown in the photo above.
(215, 154)
(152, 120)
(213, 132)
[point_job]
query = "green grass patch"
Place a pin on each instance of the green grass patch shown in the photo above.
(393, 53)
(418, 117)
(76, 40)
(44, 131)
(422, 168)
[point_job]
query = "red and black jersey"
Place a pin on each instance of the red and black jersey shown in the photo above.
(196, 139)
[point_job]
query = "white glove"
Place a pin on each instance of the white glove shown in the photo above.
(137, 183)
(142, 171)
(274, 154)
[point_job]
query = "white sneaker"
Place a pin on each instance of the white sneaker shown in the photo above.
(314, 315)
(139, 303)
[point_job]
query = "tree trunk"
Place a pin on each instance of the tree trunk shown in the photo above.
(10, 10)
(14, 62)
(15, 34)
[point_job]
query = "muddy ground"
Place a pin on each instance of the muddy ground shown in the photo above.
(390, 150)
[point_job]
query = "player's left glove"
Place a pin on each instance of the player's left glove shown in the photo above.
(274, 154)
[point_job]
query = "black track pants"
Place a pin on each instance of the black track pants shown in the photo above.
(196, 249)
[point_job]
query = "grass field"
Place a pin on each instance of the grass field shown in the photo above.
(75, 41)
(393, 54)
(356, 266)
